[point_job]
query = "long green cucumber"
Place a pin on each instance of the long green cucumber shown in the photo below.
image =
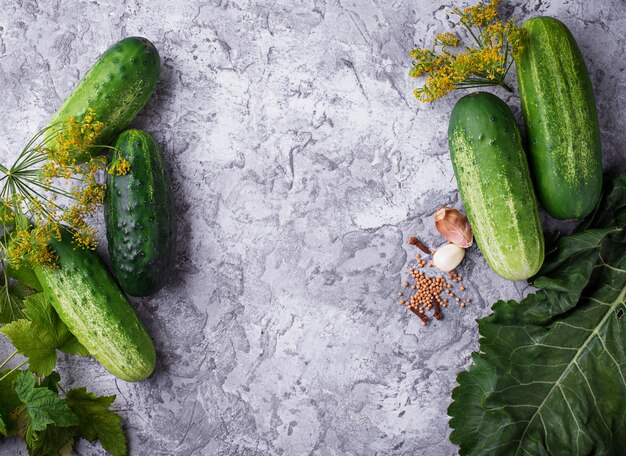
(139, 216)
(561, 120)
(117, 86)
(495, 185)
(96, 311)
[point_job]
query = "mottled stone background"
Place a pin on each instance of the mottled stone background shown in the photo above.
(300, 162)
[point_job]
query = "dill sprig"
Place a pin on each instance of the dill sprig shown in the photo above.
(47, 189)
(486, 63)
(118, 167)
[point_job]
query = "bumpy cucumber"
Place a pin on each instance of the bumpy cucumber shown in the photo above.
(495, 185)
(561, 120)
(116, 88)
(96, 311)
(139, 216)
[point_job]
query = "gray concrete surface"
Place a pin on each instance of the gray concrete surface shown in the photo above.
(300, 162)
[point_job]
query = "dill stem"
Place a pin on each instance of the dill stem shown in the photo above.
(469, 29)
(42, 184)
(506, 87)
(28, 193)
(12, 370)
(8, 359)
(6, 280)
(506, 71)
(29, 161)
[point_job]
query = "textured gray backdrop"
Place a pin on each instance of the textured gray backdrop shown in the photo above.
(301, 162)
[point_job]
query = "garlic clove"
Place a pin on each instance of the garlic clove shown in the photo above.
(448, 257)
(454, 226)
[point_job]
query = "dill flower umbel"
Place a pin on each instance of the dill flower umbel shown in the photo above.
(118, 167)
(49, 189)
(497, 43)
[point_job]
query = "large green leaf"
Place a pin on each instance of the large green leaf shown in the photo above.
(40, 408)
(97, 421)
(40, 334)
(31, 408)
(8, 400)
(11, 301)
(53, 441)
(549, 378)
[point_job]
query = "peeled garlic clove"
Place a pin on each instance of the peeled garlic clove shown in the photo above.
(454, 226)
(447, 257)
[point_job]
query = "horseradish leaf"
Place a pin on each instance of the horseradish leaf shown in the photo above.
(550, 375)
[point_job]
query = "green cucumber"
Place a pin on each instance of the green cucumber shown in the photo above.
(117, 86)
(495, 185)
(561, 120)
(139, 216)
(96, 311)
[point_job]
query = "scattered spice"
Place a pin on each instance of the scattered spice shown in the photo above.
(426, 293)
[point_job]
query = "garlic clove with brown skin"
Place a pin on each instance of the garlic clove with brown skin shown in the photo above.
(454, 226)
(448, 257)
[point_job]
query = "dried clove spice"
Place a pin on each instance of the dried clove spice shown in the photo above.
(419, 244)
(437, 313)
(421, 316)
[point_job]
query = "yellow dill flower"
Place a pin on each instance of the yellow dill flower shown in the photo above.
(85, 238)
(479, 15)
(119, 167)
(30, 247)
(447, 39)
(75, 139)
(497, 42)
(516, 38)
(47, 189)
(7, 216)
